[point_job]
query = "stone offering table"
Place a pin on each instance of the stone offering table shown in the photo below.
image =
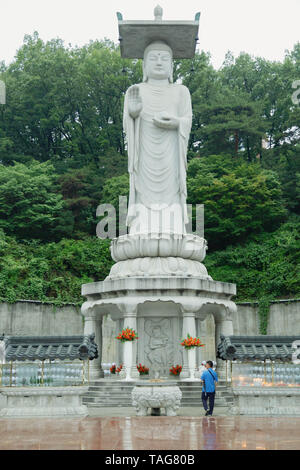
(156, 395)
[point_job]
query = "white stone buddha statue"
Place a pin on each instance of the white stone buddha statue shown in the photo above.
(157, 122)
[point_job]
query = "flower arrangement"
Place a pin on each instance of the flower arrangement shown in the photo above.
(175, 370)
(114, 369)
(143, 370)
(127, 334)
(189, 343)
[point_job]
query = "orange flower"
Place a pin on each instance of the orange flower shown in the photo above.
(128, 334)
(190, 342)
(175, 370)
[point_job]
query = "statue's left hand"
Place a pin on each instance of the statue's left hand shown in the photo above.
(166, 121)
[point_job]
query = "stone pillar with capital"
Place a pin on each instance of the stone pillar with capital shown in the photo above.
(92, 325)
(130, 321)
(188, 328)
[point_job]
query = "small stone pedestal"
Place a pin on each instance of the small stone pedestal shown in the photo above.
(156, 395)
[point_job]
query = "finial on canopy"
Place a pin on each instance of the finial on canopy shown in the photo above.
(158, 13)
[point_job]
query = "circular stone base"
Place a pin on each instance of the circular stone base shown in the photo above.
(154, 267)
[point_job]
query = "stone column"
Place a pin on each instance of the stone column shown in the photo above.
(188, 327)
(223, 327)
(92, 325)
(130, 322)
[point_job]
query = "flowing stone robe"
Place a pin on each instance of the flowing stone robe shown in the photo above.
(157, 160)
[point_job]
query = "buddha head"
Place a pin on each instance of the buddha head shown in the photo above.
(158, 62)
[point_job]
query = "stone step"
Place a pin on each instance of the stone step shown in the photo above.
(217, 409)
(99, 399)
(105, 405)
(104, 393)
(129, 405)
(132, 382)
(129, 389)
(118, 383)
(108, 402)
(110, 390)
(187, 394)
(112, 384)
(113, 389)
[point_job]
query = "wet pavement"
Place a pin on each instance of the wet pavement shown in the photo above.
(151, 433)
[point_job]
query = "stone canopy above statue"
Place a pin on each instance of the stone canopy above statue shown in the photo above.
(135, 36)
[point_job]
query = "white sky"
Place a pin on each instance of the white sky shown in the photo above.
(260, 27)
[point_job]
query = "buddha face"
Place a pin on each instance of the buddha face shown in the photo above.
(158, 65)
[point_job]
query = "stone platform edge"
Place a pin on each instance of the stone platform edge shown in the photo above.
(161, 283)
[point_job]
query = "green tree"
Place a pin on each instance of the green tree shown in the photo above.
(265, 267)
(285, 160)
(66, 103)
(51, 271)
(30, 205)
(240, 199)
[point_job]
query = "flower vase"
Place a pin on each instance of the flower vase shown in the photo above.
(127, 359)
(144, 376)
(175, 376)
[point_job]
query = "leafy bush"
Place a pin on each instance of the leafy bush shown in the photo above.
(53, 271)
(267, 266)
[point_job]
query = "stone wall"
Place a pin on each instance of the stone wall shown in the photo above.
(246, 320)
(206, 332)
(32, 318)
(284, 318)
(36, 318)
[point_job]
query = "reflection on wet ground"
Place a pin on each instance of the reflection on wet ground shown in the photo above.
(151, 433)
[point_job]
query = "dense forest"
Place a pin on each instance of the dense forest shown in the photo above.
(62, 153)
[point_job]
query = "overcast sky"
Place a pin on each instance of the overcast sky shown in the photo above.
(260, 27)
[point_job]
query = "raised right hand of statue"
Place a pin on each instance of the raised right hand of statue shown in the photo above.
(135, 104)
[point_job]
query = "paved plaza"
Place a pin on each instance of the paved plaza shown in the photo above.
(151, 433)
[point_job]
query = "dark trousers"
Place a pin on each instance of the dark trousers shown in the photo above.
(211, 397)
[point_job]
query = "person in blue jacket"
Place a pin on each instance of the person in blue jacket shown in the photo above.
(209, 378)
